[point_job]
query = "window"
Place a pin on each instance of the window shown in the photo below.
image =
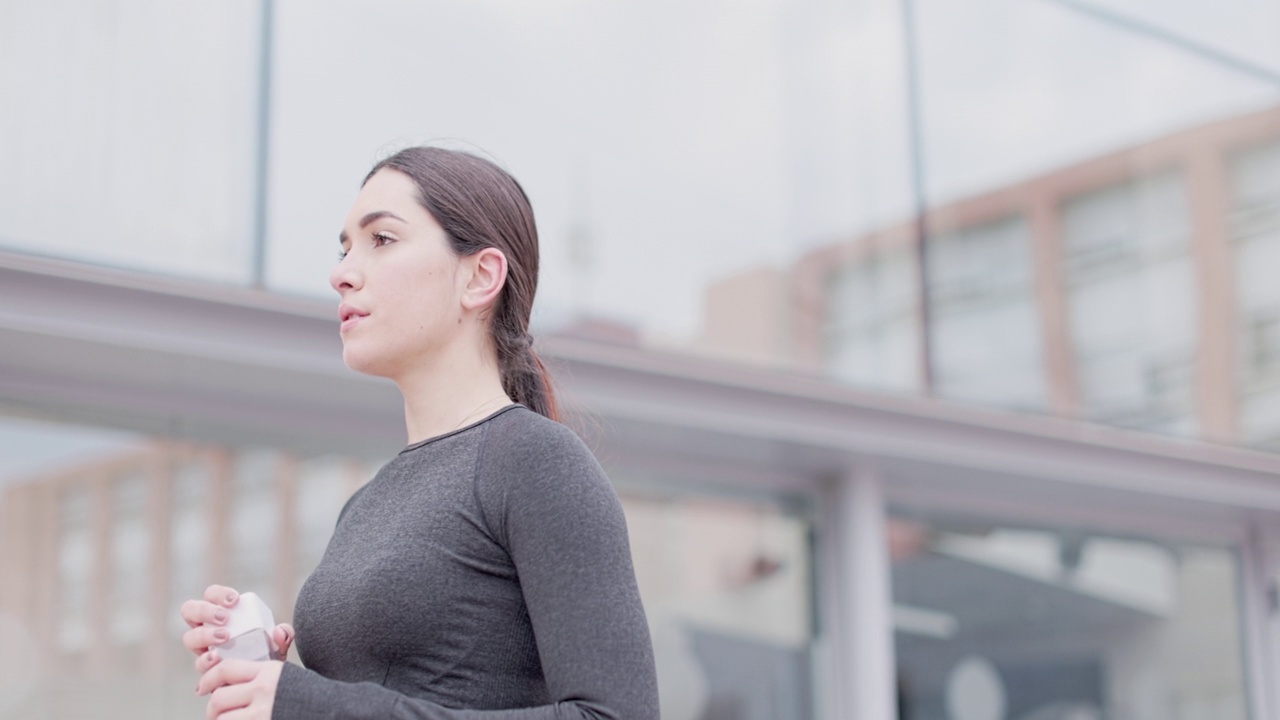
(726, 586)
(984, 323)
(1132, 298)
(131, 559)
(871, 322)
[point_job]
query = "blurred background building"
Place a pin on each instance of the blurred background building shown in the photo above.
(931, 345)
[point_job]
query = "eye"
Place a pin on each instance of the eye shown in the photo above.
(381, 238)
(342, 255)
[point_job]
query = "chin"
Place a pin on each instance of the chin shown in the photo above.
(366, 363)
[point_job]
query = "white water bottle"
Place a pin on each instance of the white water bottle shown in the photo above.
(250, 625)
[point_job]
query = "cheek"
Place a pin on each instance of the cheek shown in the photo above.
(425, 303)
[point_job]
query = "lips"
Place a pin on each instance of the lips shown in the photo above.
(350, 316)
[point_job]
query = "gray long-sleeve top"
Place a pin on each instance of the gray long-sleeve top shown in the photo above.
(482, 574)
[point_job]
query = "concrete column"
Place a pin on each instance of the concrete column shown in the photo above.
(218, 564)
(1053, 305)
(1215, 383)
(286, 560)
(101, 521)
(160, 470)
(858, 604)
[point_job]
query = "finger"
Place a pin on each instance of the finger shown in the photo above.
(282, 635)
(221, 595)
(227, 672)
(226, 699)
(206, 661)
(203, 612)
(200, 639)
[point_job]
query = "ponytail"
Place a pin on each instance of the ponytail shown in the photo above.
(527, 381)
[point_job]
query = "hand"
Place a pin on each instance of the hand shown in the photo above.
(206, 618)
(240, 689)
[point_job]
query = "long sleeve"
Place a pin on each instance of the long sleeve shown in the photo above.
(543, 499)
(303, 694)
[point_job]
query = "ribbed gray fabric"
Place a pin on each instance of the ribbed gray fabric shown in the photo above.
(481, 574)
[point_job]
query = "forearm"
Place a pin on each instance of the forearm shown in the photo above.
(305, 695)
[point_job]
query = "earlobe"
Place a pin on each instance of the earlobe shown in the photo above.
(488, 276)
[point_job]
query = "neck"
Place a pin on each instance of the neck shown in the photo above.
(454, 389)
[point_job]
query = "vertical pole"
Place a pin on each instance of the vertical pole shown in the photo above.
(920, 225)
(865, 682)
(260, 178)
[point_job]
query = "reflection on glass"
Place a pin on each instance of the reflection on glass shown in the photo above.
(870, 336)
(136, 150)
(1255, 232)
(983, 315)
(1063, 625)
(726, 588)
(1131, 282)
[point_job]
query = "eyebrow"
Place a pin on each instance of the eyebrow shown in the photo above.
(371, 217)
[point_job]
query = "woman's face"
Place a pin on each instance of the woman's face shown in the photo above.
(398, 279)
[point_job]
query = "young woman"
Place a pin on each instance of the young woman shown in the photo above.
(484, 572)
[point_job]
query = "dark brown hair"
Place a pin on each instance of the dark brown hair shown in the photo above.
(480, 205)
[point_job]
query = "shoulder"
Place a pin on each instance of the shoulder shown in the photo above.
(523, 438)
(534, 467)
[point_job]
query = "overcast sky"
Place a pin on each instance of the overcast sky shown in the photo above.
(688, 140)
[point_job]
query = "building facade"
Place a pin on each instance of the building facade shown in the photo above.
(1130, 289)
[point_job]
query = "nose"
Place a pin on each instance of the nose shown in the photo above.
(345, 276)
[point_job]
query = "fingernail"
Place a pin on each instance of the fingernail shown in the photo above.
(231, 597)
(220, 616)
(221, 634)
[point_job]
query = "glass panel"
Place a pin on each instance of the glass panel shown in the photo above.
(1104, 125)
(1013, 89)
(726, 586)
(996, 621)
(136, 150)
(1244, 29)
(723, 145)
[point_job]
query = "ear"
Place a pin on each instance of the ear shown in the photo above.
(486, 275)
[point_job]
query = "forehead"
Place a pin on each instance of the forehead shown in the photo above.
(388, 190)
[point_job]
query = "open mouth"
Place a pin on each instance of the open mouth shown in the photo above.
(350, 317)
